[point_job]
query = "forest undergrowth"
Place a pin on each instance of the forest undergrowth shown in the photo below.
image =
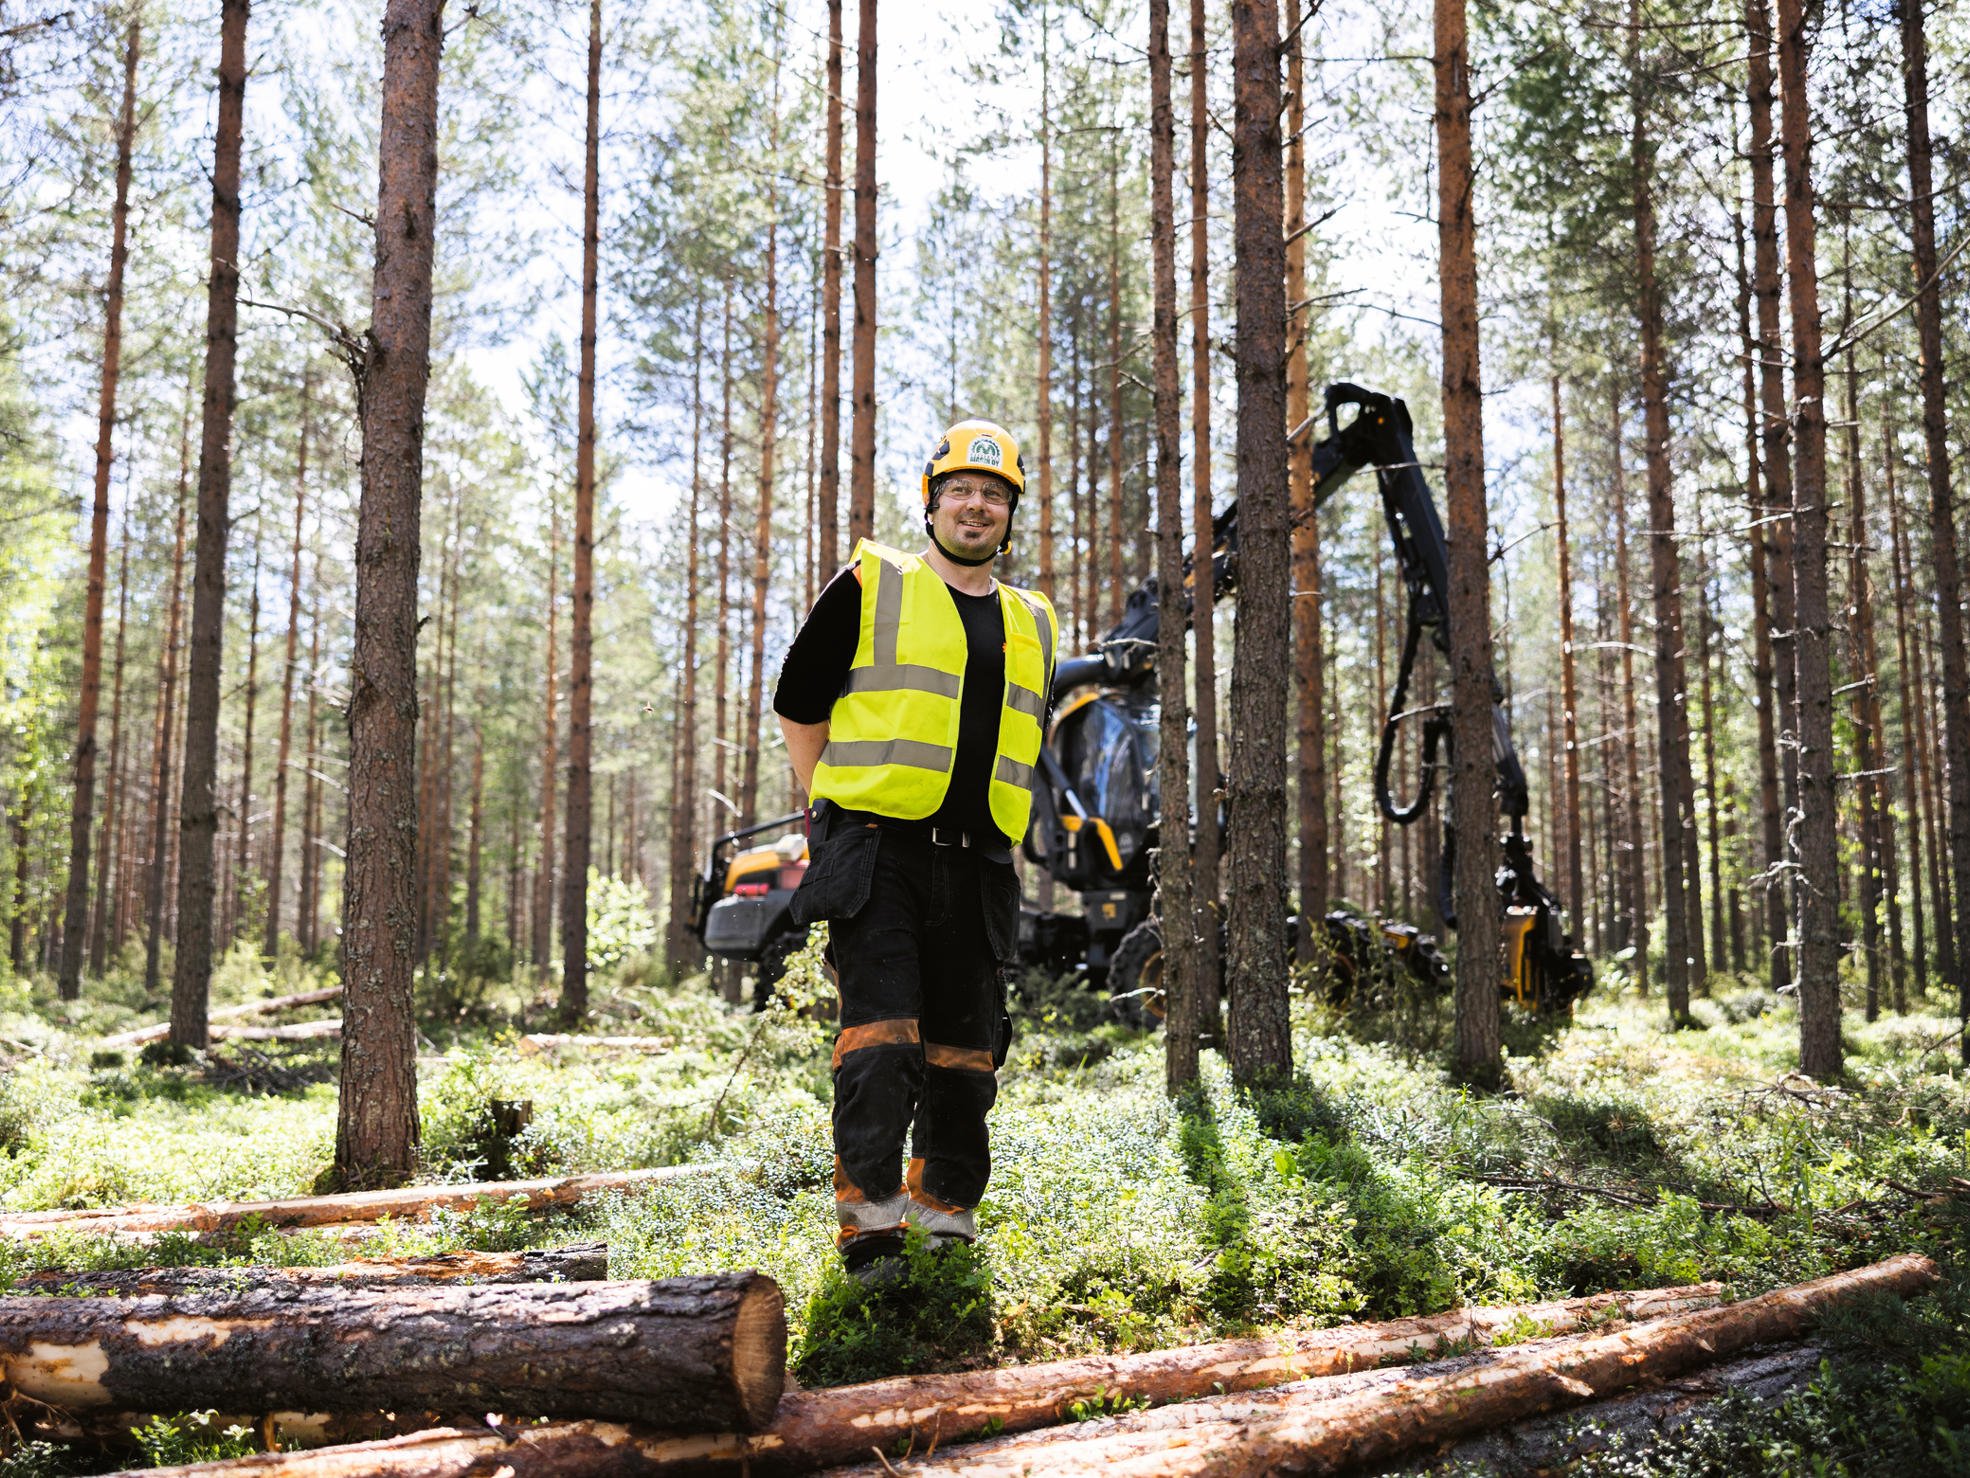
(1369, 1186)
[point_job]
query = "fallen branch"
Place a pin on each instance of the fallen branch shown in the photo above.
(328, 1028)
(814, 1429)
(407, 1204)
(708, 1353)
(1307, 1428)
(584, 1262)
(547, 1041)
(143, 1035)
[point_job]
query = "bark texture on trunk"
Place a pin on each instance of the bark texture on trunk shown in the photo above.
(1474, 775)
(581, 623)
(75, 913)
(167, 724)
(109, 863)
(278, 848)
(198, 808)
(828, 536)
(1818, 842)
(1309, 638)
(762, 533)
(862, 386)
(1204, 877)
(1942, 527)
(1682, 942)
(376, 1129)
(707, 1352)
(684, 797)
(542, 945)
(1173, 894)
(1261, 1043)
(1043, 378)
(1637, 855)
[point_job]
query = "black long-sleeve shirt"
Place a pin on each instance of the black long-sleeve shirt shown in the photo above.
(815, 673)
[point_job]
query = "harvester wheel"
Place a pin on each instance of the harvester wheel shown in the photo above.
(1135, 976)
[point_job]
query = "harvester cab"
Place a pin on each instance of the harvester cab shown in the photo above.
(741, 902)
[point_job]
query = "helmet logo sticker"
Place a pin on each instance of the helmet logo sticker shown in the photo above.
(984, 452)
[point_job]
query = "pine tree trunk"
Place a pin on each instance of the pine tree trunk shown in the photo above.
(1261, 1043)
(1682, 941)
(1637, 860)
(1113, 543)
(109, 913)
(1762, 598)
(862, 388)
(1776, 462)
(1309, 645)
(1043, 378)
(581, 625)
(762, 535)
(1818, 844)
(722, 663)
(166, 727)
(1173, 902)
(542, 944)
(1713, 798)
(81, 815)
(243, 828)
(684, 800)
(308, 904)
(1204, 880)
(198, 809)
(829, 533)
(376, 1128)
(1473, 773)
(278, 849)
(1911, 729)
(1576, 899)
(1935, 436)
(474, 835)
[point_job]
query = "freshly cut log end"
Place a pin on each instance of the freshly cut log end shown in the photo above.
(699, 1353)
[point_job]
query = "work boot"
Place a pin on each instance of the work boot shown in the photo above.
(876, 1262)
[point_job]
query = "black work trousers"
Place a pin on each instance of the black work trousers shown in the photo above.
(920, 936)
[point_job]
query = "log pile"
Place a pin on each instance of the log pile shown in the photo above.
(411, 1203)
(653, 1376)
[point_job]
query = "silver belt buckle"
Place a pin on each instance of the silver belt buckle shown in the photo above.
(941, 837)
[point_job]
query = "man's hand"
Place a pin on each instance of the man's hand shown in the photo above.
(804, 745)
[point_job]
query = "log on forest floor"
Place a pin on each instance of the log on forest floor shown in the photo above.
(702, 1353)
(535, 1042)
(1311, 1428)
(1632, 1423)
(410, 1203)
(815, 1429)
(582, 1262)
(327, 1029)
(144, 1035)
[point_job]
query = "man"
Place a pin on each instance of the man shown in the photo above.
(913, 701)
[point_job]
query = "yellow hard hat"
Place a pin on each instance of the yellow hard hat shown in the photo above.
(976, 446)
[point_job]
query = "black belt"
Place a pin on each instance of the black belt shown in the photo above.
(937, 836)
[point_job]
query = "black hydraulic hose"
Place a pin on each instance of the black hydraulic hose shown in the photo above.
(1433, 732)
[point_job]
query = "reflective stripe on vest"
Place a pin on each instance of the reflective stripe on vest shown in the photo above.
(892, 739)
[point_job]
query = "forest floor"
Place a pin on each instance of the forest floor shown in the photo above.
(1370, 1186)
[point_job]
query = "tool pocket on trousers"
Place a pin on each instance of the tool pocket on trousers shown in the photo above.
(1001, 908)
(839, 876)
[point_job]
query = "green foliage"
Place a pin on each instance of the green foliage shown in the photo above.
(167, 1441)
(620, 923)
(937, 1315)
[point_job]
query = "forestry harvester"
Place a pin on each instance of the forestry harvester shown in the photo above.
(1095, 817)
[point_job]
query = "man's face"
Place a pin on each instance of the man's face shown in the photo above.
(972, 513)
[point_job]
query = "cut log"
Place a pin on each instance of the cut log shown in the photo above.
(407, 1204)
(144, 1035)
(115, 1431)
(584, 1262)
(1557, 1444)
(814, 1429)
(701, 1353)
(328, 1028)
(1309, 1428)
(551, 1041)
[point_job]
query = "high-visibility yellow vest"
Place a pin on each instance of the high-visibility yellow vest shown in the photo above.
(893, 732)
